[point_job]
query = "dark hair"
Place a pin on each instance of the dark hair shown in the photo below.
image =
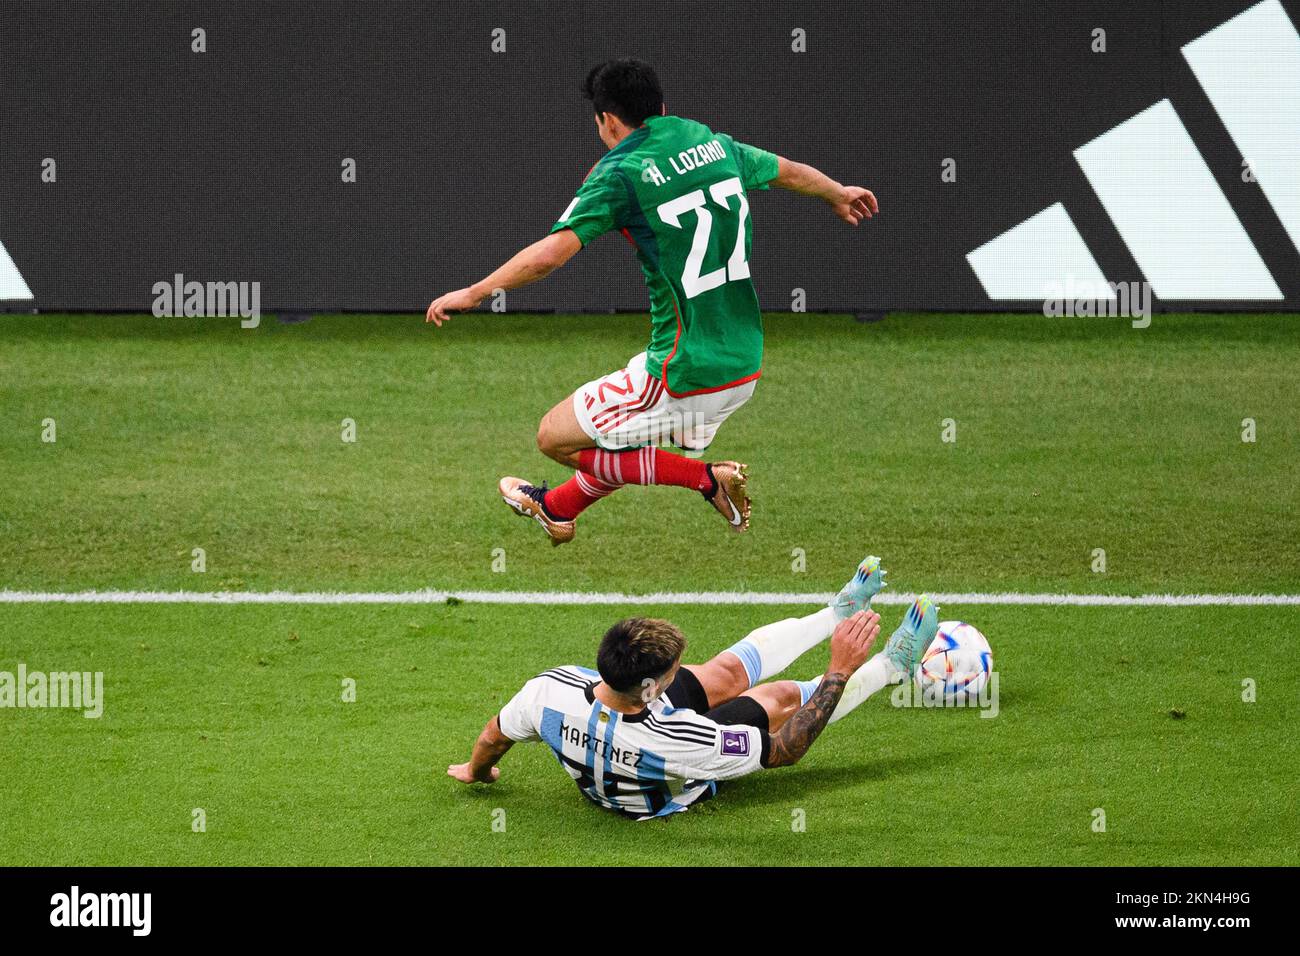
(637, 648)
(626, 87)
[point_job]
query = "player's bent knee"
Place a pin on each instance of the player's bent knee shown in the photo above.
(548, 442)
(554, 444)
(731, 678)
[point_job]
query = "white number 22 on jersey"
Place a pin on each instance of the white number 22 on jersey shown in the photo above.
(695, 280)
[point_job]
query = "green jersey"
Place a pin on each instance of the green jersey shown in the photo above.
(677, 190)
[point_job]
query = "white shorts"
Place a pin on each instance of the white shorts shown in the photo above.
(630, 408)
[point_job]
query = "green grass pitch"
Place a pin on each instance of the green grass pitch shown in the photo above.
(1072, 435)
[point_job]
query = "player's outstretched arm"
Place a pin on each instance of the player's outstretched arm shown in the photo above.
(850, 203)
(490, 747)
(527, 265)
(850, 646)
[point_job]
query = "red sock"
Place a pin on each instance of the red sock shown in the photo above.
(572, 498)
(645, 466)
(601, 473)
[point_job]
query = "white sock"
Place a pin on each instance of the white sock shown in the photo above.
(774, 647)
(872, 676)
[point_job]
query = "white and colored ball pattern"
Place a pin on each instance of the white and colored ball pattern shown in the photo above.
(958, 661)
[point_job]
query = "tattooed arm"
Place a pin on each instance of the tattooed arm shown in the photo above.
(850, 646)
(798, 733)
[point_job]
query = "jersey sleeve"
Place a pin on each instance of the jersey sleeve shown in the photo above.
(758, 167)
(600, 205)
(736, 751)
(516, 719)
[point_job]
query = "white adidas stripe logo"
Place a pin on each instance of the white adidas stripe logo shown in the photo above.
(1161, 195)
(12, 285)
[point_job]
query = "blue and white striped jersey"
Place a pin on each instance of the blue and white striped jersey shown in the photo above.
(647, 764)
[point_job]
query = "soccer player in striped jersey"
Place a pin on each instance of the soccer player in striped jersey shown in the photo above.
(645, 736)
(678, 191)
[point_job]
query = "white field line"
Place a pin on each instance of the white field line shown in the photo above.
(614, 597)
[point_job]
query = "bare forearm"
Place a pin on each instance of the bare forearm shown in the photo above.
(490, 747)
(797, 734)
(525, 266)
(528, 265)
(807, 181)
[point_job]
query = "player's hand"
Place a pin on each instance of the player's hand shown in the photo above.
(856, 204)
(463, 773)
(851, 642)
(458, 301)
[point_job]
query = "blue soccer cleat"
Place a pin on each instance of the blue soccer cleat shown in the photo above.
(857, 594)
(913, 637)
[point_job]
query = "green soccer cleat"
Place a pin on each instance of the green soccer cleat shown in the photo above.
(907, 644)
(857, 594)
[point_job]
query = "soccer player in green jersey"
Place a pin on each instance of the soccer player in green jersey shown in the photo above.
(679, 192)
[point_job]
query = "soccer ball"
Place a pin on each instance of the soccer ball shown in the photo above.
(957, 663)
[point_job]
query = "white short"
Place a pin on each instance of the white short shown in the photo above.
(630, 408)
